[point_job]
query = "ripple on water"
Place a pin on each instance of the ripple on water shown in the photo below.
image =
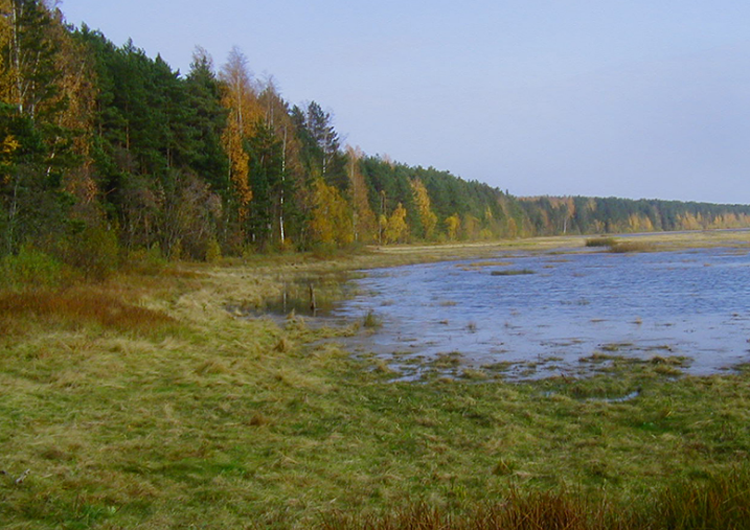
(693, 303)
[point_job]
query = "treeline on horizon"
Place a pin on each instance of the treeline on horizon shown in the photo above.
(105, 151)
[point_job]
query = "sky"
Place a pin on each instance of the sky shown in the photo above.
(626, 98)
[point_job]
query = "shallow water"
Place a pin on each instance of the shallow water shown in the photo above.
(562, 309)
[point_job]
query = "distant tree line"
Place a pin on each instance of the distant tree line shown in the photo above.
(587, 215)
(105, 151)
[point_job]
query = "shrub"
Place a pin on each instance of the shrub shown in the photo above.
(30, 268)
(146, 261)
(94, 252)
(213, 251)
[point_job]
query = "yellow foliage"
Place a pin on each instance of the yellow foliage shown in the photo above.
(9, 145)
(512, 228)
(640, 223)
(452, 224)
(331, 217)
(689, 222)
(239, 169)
(365, 223)
(240, 99)
(422, 201)
(5, 33)
(396, 229)
(470, 226)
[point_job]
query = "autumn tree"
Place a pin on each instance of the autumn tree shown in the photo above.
(286, 191)
(422, 202)
(35, 145)
(6, 30)
(470, 227)
(396, 228)
(240, 99)
(30, 57)
(452, 224)
(365, 223)
(78, 91)
(331, 221)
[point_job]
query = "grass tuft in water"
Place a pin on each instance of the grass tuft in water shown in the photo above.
(630, 246)
(372, 320)
(512, 272)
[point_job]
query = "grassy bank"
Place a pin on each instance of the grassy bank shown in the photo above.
(152, 401)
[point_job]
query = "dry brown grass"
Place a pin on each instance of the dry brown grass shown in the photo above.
(536, 511)
(78, 307)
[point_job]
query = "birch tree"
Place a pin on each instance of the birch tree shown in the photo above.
(364, 222)
(424, 209)
(240, 100)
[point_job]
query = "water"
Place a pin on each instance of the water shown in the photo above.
(693, 304)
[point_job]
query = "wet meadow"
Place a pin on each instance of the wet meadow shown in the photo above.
(183, 402)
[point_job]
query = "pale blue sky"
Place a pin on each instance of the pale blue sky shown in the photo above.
(638, 98)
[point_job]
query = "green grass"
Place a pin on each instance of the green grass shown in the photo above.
(164, 409)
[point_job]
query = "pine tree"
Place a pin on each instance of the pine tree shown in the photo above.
(206, 122)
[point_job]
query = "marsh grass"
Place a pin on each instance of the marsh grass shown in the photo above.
(235, 421)
(601, 242)
(618, 246)
(512, 272)
(714, 502)
(624, 247)
(79, 307)
(372, 321)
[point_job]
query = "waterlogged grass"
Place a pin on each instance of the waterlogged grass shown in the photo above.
(621, 247)
(177, 413)
(512, 272)
(601, 241)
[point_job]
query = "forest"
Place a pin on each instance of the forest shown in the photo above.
(105, 152)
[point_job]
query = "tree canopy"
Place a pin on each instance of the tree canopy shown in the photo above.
(100, 142)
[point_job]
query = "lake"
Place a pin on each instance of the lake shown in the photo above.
(541, 315)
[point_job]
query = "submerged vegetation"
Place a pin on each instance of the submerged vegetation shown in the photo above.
(512, 272)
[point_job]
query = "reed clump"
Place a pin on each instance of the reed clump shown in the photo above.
(624, 247)
(512, 272)
(372, 321)
(601, 242)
